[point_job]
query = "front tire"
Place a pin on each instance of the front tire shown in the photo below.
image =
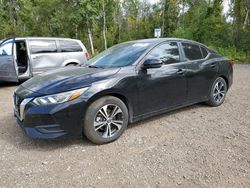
(218, 92)
(105, 120)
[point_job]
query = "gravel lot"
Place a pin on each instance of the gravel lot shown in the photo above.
(198, 146)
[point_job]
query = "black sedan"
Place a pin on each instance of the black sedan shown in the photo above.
(124, 84)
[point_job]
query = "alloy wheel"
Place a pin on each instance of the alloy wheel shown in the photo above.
(219, 91)
(108, 120)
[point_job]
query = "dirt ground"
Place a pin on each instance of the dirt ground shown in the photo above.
(198, 146)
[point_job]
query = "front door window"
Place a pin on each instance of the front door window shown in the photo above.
(168, 53)
(6, 49)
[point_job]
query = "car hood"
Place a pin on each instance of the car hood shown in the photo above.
(66, 79)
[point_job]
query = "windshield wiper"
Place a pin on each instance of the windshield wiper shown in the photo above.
(93, 66)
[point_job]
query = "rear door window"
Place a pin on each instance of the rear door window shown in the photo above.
(70, 46)
(192, 51)
(43, 46)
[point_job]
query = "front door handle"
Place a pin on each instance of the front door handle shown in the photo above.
(180, 72)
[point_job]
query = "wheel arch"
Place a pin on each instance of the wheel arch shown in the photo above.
(224, 71)
(225, 78)
(70, 61)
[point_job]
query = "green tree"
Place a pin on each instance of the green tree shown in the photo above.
(103, 23)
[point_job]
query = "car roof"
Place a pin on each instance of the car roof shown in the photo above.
(154, 41)
(45, 38)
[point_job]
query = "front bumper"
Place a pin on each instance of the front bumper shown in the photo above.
(53, 121)
(43, 132)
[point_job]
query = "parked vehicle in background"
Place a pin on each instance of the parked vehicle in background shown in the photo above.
(23, 57)
(126, 83)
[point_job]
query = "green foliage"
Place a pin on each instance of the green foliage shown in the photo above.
(233, 54)
(201, 20)
(205, 23)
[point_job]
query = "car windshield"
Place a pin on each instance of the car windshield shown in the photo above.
(119, 55)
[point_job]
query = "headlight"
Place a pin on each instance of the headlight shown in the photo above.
(60, 97)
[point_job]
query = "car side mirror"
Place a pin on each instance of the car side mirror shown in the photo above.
(152, 63)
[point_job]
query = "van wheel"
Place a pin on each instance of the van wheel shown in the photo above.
(71, 64)
(105, 120)
(218, 92)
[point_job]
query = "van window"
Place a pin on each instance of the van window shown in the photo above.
(43, 46)
(70, 46)
(192, 51)
(6, 49)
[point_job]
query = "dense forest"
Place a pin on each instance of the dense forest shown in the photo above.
(103, 23)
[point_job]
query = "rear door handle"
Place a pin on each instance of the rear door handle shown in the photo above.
(180, 72)
(213, 65)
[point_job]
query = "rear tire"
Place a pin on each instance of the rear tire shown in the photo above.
(105, 120)
(218, 92)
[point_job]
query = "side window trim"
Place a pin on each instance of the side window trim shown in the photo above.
(58, 47)
(182, 53)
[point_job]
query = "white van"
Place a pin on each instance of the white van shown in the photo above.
(23, 57)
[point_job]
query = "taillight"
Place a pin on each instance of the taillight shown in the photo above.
(87, 55)
(232, 62)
